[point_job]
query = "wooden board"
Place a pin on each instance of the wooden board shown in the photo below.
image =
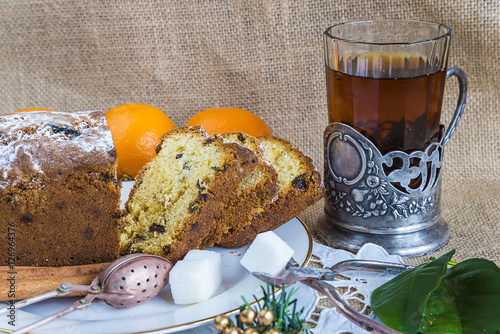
(26, 282)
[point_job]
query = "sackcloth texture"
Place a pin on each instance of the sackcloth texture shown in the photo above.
(263, 56)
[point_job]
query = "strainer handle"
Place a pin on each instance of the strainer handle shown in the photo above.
(33, 300)
(62, 290)
(78, 305)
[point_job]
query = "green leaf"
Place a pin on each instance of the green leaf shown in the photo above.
(400, 303)
(475, 285)
(474, 288)
(441, 315)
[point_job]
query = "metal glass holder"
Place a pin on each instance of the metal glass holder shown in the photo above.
(392, 200)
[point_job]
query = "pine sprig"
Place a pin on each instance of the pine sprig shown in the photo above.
(286, 317)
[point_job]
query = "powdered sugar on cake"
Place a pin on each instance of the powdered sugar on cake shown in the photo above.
(52, 142)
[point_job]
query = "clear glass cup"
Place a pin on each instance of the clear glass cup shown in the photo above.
(385, 80)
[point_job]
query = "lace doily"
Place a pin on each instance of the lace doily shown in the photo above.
(355, 288)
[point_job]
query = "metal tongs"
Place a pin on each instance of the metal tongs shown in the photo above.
(315, 278)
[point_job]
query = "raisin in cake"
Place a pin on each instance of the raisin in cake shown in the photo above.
(180, 194)
(59, 196)
(257, 190)
(300, 186)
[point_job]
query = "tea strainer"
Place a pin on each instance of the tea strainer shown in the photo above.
(128, 281)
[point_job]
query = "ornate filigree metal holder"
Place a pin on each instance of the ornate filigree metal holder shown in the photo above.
(392, 200)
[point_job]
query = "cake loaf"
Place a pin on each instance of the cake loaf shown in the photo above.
(180, 194)
(300, 186)
(256, 191)
(59, 197)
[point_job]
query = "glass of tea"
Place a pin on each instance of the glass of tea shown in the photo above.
(384, 145)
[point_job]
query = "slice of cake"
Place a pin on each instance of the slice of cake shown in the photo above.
(59, 197)
(257, 190)
(300, 186)
(180, 194)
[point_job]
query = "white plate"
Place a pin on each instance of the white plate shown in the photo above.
(161, 315)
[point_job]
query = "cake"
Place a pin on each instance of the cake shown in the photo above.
(257, 190)
(180, 194)
(300, 186)
(59, 196)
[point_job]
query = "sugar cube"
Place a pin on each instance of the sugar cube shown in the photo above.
(196, 278)
(268, 253)
(196, 254)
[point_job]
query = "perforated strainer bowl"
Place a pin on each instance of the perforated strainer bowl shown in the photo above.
(141, 275)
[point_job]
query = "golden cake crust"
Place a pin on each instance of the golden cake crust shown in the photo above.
(257, 190)
(300, 186)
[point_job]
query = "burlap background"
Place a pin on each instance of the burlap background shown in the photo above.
(264, 56)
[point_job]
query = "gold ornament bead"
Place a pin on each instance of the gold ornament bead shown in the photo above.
(251, 331)
(233, 330)
(221, 322)
(271, 331)
(247, 316)
(265, 317)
